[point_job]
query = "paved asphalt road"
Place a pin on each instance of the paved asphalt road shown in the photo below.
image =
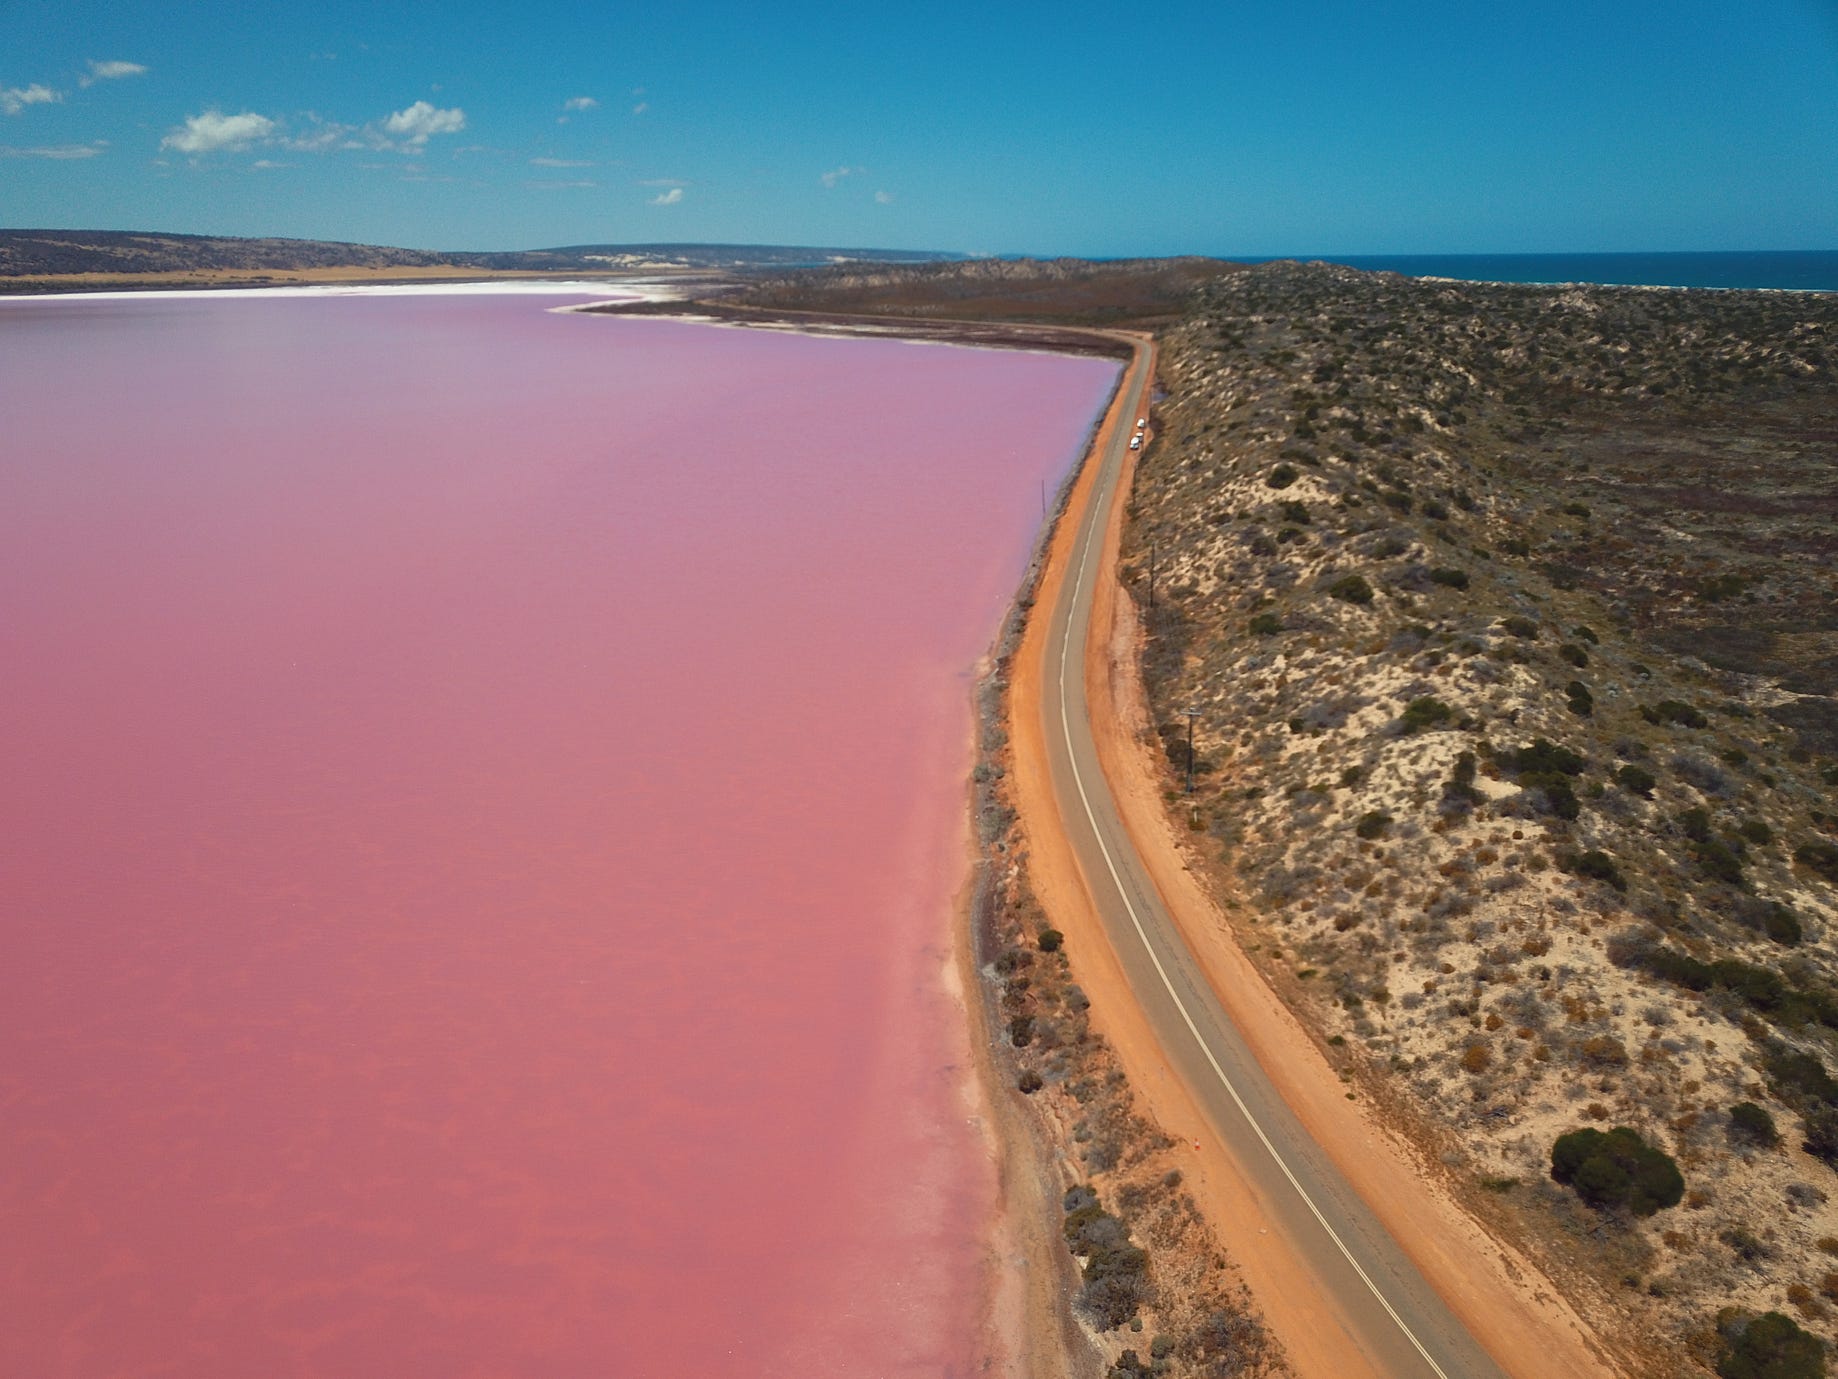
(1387, 1308)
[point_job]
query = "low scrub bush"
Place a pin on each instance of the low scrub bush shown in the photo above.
(1594, 864)
(1579, 700)
(1771, 1346)
(1617, 1169)
(1450, 578)
(1373, 824)
(1752, 1125)
(1523, 628)
(1115, 1272)
(1559, 795)
(1459, 790)
(1821, 856)
(1636, 780)
(1771, 918)
(1541, 756)
(1425, 713)
(1282, 476)
(1574, 654)
(1674, 711)
(1351, 589)
(1266, 625)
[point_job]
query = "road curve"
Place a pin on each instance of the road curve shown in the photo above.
(1369, 1288)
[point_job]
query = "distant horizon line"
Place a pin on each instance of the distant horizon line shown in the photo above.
(1260, 257)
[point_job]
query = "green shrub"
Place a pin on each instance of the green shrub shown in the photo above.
(1434, 510)
(1297, 512)
(1800, 1076)
(1559, 795)
(1772, 918)
(1282, 476)
(1351, 589)
(1115, 1273)
(1520, 627)
(1585, 634)
(1751, 1124)
(1373, 824)
(1820, 1137)
(1617, 1168)
(1771, 1346)
(1266, 625)
(1720, 587)
(1425, 713)
(1636, 780)
(1574, 654)
(1051, 940)
(1755, 831)
(1580, 701)
(1719, 861)
(1450, 578)
(1543, 755)
(1029, 1082)
(1577, 509)
(1673, 711)
(1821, 856)
(1459, 790)
(1596, 865)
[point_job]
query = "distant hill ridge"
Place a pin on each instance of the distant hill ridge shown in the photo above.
(44, 253)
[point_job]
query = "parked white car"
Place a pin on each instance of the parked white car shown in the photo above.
(1135, 442)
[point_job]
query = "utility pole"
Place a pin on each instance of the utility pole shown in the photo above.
(1191, 715)
(1151, 574)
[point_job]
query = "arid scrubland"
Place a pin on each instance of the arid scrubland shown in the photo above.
(1510, 617)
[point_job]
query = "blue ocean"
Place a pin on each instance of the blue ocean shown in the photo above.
(1805, 271)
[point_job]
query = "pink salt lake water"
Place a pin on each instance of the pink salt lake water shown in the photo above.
(482, 805)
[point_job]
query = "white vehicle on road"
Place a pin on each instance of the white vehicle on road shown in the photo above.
(1141, 422)
(1135, 442)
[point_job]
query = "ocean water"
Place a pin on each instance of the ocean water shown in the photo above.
(1811, 271)
(484, 800)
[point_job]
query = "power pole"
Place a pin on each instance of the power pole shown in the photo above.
(1151, 574)
(1191, 715)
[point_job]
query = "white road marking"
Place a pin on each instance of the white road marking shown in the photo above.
(1093, 527)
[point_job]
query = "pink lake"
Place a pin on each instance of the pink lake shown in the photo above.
(484, 797)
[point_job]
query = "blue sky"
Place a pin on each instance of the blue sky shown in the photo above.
(1248, 128)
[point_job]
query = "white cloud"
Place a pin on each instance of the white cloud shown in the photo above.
(13, 99)
(269, 163)
(560, 163)
(835, 175)
(421, 122)
(112, 70)
(668, 198)
(322, 136)
(216, 132)
(580, 103)
(883, 198)
(57, 151)
(641, 107)
(561, 186)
